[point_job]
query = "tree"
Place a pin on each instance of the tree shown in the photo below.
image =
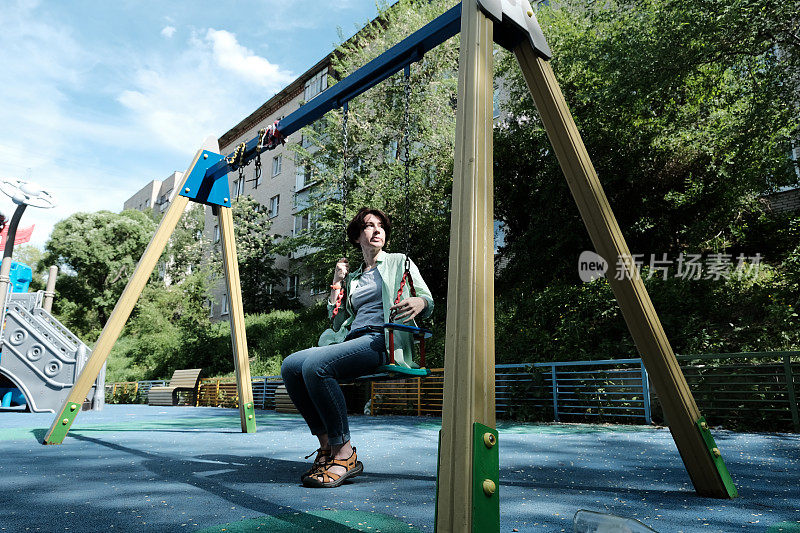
(31, 256)
(186, 248)
(96, 254)
(171, 329)
(376, 155)
(687, 110)
(255, 248)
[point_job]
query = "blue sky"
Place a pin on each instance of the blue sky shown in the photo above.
(99, 98)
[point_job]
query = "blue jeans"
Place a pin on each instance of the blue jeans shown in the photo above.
(311, 378)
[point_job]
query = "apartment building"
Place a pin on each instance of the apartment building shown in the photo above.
(282, 187)
(156, 195)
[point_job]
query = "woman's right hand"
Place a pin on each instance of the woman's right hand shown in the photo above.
(341, 270)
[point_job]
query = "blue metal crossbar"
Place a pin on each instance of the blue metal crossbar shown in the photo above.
(407, 51)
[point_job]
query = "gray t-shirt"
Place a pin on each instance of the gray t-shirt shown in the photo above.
(367, 299)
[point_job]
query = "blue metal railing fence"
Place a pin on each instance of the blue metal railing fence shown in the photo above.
(728, 388)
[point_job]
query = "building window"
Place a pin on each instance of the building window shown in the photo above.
(301, 223)
(274, 203)
(238, 187)
(293, 286)
(225, 310)
(316, 85)
(277, 163)
(305, 177)
(318, 286)
(216, 233)
(390, 150)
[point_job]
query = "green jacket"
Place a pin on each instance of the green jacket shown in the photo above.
(391, 268)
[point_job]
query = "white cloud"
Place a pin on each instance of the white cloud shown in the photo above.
(205, 90)
(168, 31)
(232, 56)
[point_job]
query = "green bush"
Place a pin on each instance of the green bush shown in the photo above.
(565, 322)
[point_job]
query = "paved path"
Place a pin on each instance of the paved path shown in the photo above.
(141, 468)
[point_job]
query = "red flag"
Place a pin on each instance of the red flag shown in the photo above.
(23, 235)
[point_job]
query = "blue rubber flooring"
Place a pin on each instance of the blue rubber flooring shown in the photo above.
(141, 468)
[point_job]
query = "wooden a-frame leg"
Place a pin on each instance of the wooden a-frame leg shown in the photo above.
(244, 384)
(469, 388)
(113, 328)
(700, 456)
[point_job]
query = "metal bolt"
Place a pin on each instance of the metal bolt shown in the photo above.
(716, 452)
(225, 200)
(72, 407)
(489, 439)
(249, 417)
(489, 487)
(205, 156)
(704, 425)
(530, 13)
(186, 189)
(65, 421)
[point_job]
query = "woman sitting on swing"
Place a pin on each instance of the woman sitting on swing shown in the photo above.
(355, 346)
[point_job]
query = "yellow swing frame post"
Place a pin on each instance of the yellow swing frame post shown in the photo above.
(133, 290)
(467, 497)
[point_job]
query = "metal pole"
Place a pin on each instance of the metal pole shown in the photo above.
(646, 394)
(554, 379)
(5, 268)
(787, 368)
(50, 290)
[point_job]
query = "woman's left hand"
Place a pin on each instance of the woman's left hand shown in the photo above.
(408, 308)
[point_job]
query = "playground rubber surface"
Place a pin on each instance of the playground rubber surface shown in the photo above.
(142, 468)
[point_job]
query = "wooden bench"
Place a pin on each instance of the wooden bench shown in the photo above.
(283, 404)
(182, 380)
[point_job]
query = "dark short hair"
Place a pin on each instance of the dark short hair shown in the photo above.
(357, 225)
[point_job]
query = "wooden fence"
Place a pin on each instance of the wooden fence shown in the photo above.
(223, 393)
(748, 390)
(410, 396)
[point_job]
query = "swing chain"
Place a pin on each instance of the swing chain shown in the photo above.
(257, 163)
(345, 136)
(343, 189)
(406, 151)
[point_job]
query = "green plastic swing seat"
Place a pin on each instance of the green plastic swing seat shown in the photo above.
(419, 333)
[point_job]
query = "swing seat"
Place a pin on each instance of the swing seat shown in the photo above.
(405, 371)
(420, 334)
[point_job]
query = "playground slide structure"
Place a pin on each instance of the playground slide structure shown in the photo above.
(40, 357)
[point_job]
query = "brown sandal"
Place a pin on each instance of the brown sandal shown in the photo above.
(323, 456)
(352, 466)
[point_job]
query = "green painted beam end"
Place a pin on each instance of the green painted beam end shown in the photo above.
(716, 456)
(60, 428)
(485, 479)
(249, 418)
